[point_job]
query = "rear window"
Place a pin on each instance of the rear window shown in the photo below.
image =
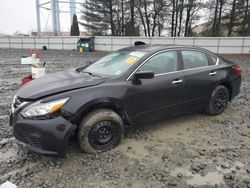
(194, 59)
(213, 60)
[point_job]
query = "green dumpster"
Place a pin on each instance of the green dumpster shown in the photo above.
(85, 44)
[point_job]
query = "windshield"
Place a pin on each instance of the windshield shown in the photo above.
(115, 63)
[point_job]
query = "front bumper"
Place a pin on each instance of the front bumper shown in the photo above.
(48, 136)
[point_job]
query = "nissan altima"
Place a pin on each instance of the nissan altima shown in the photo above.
(127, 87)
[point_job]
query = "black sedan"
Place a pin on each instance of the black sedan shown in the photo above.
(127, 87)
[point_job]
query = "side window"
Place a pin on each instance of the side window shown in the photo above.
(213, 60)
(162, 63)
(193, 59)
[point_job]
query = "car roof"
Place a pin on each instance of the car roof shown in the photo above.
(159, 47)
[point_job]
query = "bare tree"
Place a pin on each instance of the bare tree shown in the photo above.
(157, 14)
(132, 16)
(246, 18)
(188, 16)
(173, 17)
(122, 17)
(146, 15)
(180, 17)
(150, 13)
(139, 4)
(218, 26)
(232, 17)
(122, 7)
(215, 18)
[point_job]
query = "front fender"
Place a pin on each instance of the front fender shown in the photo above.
(110, 103)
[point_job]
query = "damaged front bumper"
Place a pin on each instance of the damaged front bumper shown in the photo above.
(47, 136)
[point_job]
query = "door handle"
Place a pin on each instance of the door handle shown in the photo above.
(177, 81)
(212, 73)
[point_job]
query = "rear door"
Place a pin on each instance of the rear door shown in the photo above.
(201, 76)
(154, 98)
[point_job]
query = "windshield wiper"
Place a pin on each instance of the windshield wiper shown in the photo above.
(80, 69)
(90, 73)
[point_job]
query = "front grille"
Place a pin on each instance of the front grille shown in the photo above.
(17, 103)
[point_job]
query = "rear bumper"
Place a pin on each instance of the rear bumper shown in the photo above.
(48, 137)
(236, 83)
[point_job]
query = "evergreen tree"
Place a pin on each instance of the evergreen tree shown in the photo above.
(109, 17)
(97, 17)
(74, 31)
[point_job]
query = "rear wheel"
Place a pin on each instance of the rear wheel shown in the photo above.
(218, 101)
(99, 131)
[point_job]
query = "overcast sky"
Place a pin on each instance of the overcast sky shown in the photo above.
(17, 15)
(20, 15)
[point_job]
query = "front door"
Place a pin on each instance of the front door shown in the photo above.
(154, 98)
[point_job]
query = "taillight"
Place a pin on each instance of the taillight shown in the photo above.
(237, 69)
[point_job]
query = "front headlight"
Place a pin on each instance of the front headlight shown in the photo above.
(38, 108)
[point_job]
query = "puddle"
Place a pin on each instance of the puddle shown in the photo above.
(6, 140)
(175, 128)
(228, 170)
(211, 178)
(11, 153)
(137, 148)
(240, 95)
(8, 152)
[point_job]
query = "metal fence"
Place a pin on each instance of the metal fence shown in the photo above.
(236, 45)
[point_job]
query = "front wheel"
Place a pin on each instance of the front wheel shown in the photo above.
(218, 101)
(101, 130)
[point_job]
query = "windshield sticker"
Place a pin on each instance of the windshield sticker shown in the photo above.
(131, 60)
(137, 54)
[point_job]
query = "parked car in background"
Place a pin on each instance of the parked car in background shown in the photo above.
(127, 87)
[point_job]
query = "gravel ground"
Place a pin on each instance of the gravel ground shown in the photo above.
(193, 150)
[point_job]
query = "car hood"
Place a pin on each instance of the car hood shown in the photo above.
(56, 83)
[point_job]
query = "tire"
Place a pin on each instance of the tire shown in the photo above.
(218, 101)
(101, 130)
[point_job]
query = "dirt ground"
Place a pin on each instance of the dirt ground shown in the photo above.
(193, 150)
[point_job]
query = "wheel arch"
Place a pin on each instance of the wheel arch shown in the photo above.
(103, 104)
(229, 87)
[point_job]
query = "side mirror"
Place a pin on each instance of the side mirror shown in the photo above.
(144, 75)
